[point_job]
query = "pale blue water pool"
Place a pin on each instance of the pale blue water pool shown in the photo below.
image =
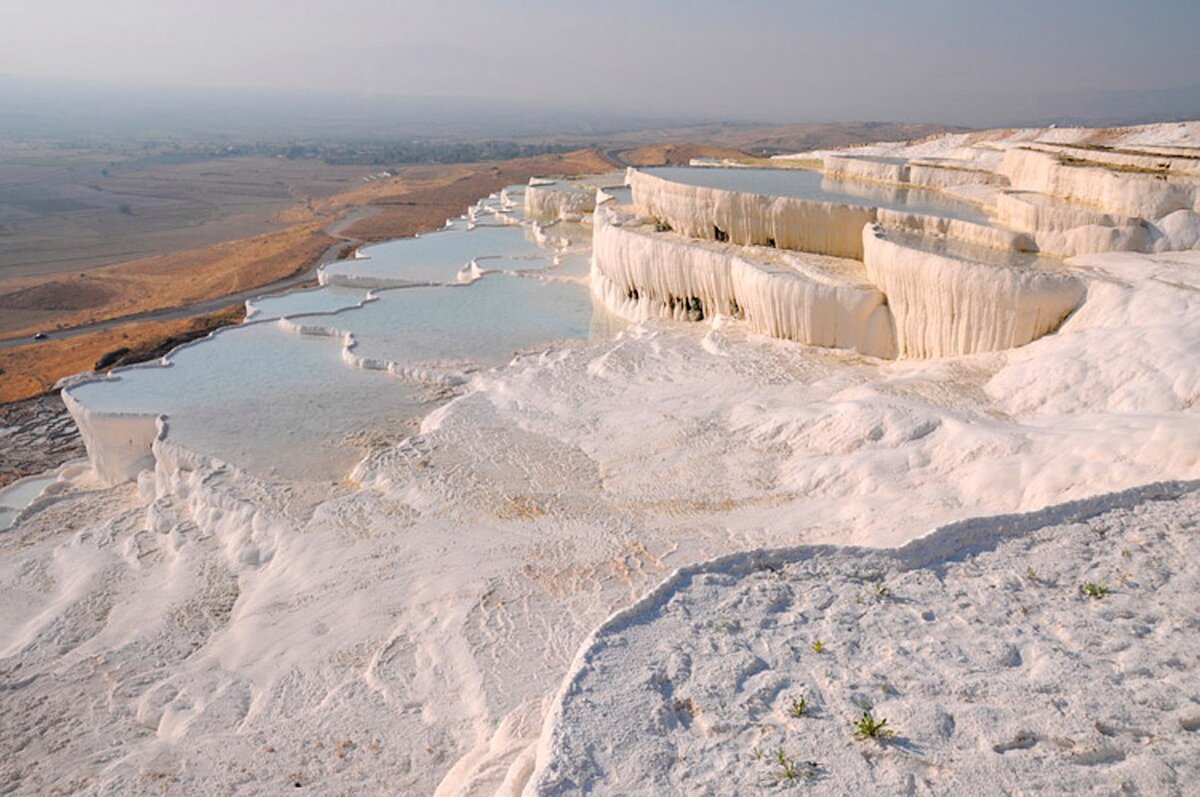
(623, 195)
(263, 399)
(974, 253)
(813, 185)
(460, 329)
(317, 300)
(284, 405)
(17, 496)
(575, 265)
(437, 257)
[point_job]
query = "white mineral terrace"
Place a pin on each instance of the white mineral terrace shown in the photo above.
(939, 245)
(565, 504)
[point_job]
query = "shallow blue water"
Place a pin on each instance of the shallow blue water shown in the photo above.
(974, 253)
(807, 184)
(263, 399)
(15, 497)
(317, 300)
(463, 328)
(437, 257)
(281, 404)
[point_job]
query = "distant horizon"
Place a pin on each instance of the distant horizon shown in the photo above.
(936, 61)
(40, 106)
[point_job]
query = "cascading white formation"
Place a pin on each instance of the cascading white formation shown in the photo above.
(640, 274)
(1050, 191)
(907, 302)
(824, 228)
(945, 306)
(1133, 193)
(118, 443)
(1098, 201)
(1066, 229)
(557, 202)
(898, 171)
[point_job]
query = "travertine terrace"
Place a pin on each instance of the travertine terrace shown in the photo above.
(558, 499)
(947, 285)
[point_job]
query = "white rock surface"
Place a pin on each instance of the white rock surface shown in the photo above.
(558, 202)
(1130, 193)
(826, 228)
(932, 174)
(945, 306)
(406, 628)
(993, 669)
(641, 274)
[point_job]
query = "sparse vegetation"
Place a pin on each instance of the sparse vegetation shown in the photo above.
(868, 727)
(791, 770)
(1094, 590)
(818, 646)
(798, 707)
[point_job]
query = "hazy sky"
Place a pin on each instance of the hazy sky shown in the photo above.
(966, 62)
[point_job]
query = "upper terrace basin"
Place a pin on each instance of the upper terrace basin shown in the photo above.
(976, 253)
(784, 208)
(435, 258)
(815, 186)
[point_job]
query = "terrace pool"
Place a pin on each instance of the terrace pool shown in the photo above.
(815, 186)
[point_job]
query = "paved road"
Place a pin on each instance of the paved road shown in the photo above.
(212, 305)
(616, 157)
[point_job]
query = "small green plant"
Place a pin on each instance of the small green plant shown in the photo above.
(661, 226)
(881, 590)
(818, 646)
(1032, 575)
(757, 754)
(868, 727)
(798, 707)
(792, 770)
(1094, 590)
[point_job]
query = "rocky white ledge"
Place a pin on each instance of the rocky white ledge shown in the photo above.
(558, 202)
(1045, 653)
(640, 273)
(944, 305)
(826, 228)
